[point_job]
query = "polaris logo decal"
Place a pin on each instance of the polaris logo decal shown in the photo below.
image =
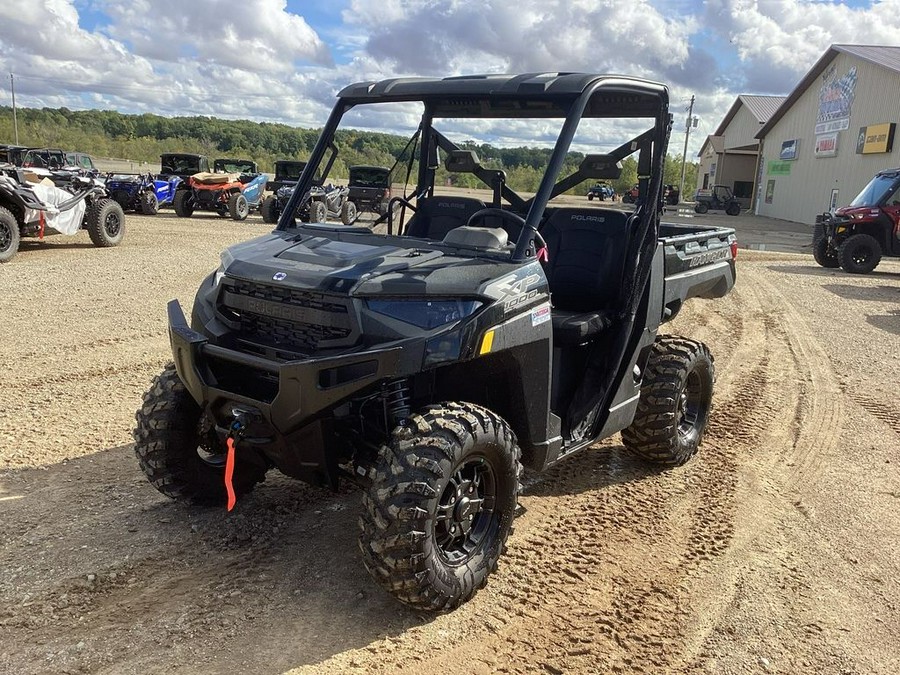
(593, 219)
(279, 276)
(450, 205)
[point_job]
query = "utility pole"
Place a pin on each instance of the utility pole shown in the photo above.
(12, 87)
(687, 135)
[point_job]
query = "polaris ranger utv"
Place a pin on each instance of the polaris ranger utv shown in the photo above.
(431, 362)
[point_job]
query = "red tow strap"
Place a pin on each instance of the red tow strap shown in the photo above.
(41, 237)
(229, 473)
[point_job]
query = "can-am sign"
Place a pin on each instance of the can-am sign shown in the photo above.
(875, 138)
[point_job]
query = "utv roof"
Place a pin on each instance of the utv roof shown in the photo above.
(627, 96)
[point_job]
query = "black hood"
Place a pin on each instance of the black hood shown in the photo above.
(365, 265)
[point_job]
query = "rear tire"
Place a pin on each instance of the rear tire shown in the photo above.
(590, 197)
(167, 442)
(269, 211)
(105, 223)
(149, 204)
(348, 213)
(9, 235)
(440, 507)
(701, 207)
(676, 396)
(238, 206)
(859, 254)
(184, 204)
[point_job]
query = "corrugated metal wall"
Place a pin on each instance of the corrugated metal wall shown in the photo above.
(741, 130)
(807, 190)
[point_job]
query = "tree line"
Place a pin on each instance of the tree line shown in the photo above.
(142, 138)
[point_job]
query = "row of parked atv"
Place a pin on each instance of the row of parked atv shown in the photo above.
(235, 187)
(35, 202)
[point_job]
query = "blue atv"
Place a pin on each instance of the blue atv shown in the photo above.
(140, 192)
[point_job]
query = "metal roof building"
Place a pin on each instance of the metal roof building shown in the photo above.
(831, 134)
(729, 155)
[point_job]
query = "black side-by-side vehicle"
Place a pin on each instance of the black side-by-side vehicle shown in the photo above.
(430, 363)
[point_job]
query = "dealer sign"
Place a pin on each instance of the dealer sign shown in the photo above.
(875, 138)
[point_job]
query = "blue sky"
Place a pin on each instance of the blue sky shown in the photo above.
(283, 60)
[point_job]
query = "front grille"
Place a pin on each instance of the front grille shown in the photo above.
(286, 319)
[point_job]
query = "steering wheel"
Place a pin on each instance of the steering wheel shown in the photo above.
(513, 218)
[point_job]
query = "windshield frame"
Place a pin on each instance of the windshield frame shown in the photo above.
(571, 107)
(889, 180)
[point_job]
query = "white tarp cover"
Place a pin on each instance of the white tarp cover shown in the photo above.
(66, 222)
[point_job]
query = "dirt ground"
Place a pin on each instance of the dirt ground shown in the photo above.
(775, 550)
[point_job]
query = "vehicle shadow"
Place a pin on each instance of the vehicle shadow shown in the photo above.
(814, 270)
(889, 322)
(877, 293)
(103, 559)
(593, 468)
(28, 245)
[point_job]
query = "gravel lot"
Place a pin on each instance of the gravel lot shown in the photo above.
(777, 549)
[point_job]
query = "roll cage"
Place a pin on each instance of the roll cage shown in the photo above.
(571, 96)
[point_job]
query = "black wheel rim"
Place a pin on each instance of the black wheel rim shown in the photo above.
(689, 404)
(466, 511)
(5, 237)
(861, 255)
(112, 223)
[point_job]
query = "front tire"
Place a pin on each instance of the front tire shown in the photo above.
(9, 235)
(440, 507)
(106, 223)
(859, 254)
(178, 459)
(269, 211)
(184, 204)
(733, 210)
(823, 252)
(238, 206)
(149, 204)
(318, 212)
(348, 213)
(676, 396)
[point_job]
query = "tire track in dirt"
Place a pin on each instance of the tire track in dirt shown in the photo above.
(880, 409)
(596, 577)
(804, 423)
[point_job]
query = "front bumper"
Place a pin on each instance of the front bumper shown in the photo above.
(287, 394)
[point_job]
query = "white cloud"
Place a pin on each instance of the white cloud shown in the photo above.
(256, 59)
(250, 35)
(779, 40)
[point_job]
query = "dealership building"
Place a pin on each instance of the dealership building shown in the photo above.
(827, 139)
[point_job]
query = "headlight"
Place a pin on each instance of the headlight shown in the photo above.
(220, 274)
(425, 314)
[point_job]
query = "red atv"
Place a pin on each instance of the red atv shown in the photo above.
(857, 236)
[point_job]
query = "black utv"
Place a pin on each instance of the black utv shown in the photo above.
(477, 335)
(319, 202)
